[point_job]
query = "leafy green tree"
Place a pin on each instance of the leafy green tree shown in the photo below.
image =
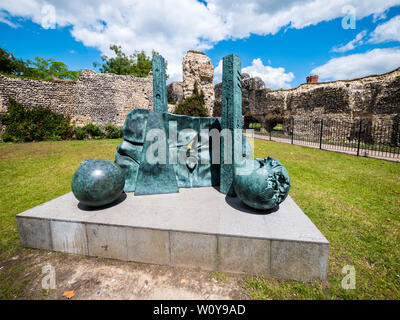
(6, 64)
(10, 65)
(193, 105)
(40, 68)
(49, 68)
(137, 64)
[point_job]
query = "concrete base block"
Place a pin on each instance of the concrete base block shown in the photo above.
(148, 246)
(244, 255)
(107, 241)
(193, 250)
(35, 233)
(299, 260)
(69, 237)
(193, 228)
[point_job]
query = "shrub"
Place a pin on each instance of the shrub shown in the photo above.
(93, 131)
(37, 124)
(112, 131)
(80, 133)
(23, 125)
(193, 105)
(89, 131)
(255, 125)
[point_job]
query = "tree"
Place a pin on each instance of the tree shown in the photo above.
(137, 64)
(6, 65)
(40, 68)
(49, 68)
(193, 105)
(10, 65)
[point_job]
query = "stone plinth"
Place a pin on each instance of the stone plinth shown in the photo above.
(193, 228)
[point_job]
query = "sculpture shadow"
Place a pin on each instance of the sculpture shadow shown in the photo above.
(84, 207)
(237, 204)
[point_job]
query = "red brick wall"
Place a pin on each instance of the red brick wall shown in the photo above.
(312, 79)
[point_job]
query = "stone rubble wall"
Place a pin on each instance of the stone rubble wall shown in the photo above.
(93, 97)
(196, 67)
(250, 86)
(373, 98)
(175, 91)
(107, 98)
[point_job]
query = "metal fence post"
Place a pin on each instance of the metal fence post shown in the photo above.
(359, 138)
(320, 133)
(292, 125)
(270, 133)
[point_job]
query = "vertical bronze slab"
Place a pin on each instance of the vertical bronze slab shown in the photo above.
(129, 152)
(160, 102)
(154, 178)
(231, 118)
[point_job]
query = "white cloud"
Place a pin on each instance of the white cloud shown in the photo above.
(4, 18)
(388, 31)
(268, 17)
(172, 27)
(359, 65)
(218, 72)
(357, 41)
(274, 78)
(379, 16)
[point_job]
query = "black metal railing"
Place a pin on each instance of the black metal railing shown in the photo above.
(362, 137)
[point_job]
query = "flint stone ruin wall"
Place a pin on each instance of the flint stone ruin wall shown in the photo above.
(107, 98)
(93, 97)
(374, 99)
(196, 67)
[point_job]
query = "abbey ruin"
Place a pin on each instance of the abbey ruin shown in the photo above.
(373, 98)
(93, 97)
(107, 98)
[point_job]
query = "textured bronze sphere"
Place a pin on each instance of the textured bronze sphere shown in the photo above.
(264, 186)
(98, 182)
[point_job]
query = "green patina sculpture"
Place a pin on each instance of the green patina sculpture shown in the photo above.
(97, 182)
(156, 175)
(266, 185)
(163, 152)
(231, 119)
(129, 152)
(191, 150)
(189, 157)
(160, 101)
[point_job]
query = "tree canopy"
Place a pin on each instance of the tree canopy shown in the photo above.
(10, 65)
(137, 64)
(40, 68)
(49, 68)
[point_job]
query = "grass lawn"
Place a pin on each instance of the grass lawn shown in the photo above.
(354, 201)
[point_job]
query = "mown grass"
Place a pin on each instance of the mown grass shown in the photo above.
(354, 201)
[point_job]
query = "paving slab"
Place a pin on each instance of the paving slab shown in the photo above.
(197, 227)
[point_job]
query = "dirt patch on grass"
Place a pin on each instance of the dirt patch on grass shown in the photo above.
(98, 278)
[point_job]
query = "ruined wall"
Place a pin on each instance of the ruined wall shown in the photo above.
(175, 91)
(196, 67)
(94, 97)
(373, 98)
(250, 88)
(107, 98)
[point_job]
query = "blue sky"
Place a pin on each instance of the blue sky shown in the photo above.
(280, 41)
